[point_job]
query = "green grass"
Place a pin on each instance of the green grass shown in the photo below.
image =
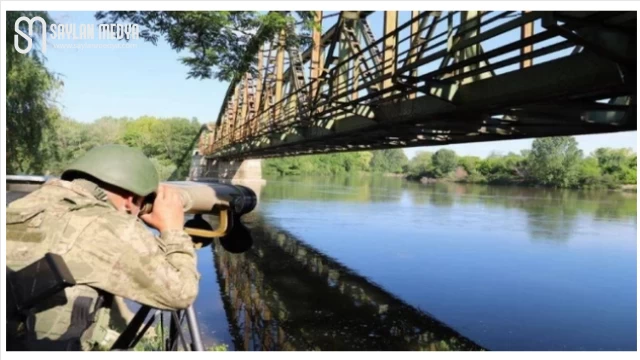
(155, 343)
(219, 347)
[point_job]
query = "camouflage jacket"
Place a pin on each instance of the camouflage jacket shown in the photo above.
(105, 249)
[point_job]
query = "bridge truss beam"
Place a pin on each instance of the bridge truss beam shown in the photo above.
(437, 78)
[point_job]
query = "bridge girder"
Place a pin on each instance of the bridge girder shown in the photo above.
(456, 77)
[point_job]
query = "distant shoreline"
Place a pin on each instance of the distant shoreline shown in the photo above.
(629, 188)
(426, 180)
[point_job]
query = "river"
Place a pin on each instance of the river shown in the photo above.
(379, 263)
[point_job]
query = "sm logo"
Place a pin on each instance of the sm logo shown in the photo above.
(29, 37)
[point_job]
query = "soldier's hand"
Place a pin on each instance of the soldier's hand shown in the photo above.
(167, 213)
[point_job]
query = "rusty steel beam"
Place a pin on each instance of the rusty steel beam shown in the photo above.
(390, 48)
(471, 19)
(526, 31)
(325, 40)
(356, 77)
(415, 36)
(267, 88)
(234, 117)
(330, 59)
(245, 100)
(279, 70)
(316, 54)
(421, 44)
(259, 85)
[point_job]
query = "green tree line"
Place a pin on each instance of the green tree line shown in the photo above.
(31, 92)
(163, 140)
(383, 161)
(551, 162)
(218, 45)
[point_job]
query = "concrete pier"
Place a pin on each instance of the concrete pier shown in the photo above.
(204, 169)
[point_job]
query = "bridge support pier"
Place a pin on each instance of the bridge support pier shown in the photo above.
(206, 169)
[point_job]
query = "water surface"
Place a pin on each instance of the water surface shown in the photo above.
(379, 263)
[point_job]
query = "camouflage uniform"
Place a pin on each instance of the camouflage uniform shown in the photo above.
(107, 251)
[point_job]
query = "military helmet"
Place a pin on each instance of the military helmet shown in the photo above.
(118, 165)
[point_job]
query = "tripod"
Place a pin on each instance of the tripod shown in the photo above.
(132, 334)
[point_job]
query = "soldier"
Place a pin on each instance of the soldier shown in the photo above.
(91, 218)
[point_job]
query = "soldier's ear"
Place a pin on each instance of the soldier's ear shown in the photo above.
(139, 201)
(129, 202)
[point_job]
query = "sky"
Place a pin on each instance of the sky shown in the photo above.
(150, 80)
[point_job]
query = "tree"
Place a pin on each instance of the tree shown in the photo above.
(444, 162)
(469, 163)
(632, 170)
(164, 167)
(421, 165)
(472, 164)
(222, 44)
(166, 139)
(364, 160)
(325, 165)
(389, 161)
(31, 91)
(109, 130)
(619, 163)
(554, 161)
(589, 173)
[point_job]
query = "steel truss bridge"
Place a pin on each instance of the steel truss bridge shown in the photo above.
(434, 78)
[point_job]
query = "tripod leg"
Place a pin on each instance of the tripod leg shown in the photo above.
(125, 340)
(194, 329)
(145, 328)
(179, 331)
(172, 341)
(164, 343)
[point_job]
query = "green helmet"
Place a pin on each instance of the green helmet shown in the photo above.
(117, 165)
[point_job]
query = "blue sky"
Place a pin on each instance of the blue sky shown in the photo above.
(150, 80)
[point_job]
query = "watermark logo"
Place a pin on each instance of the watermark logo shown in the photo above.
(75, 32)
(28, 38)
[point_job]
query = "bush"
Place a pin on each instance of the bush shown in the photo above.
(444, 162)
(420, 165)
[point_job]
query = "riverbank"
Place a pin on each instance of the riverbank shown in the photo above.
(452, 180)
(550, 162)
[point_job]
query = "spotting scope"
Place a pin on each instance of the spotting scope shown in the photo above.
(227, 202)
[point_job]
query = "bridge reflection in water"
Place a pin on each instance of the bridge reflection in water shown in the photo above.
(284, 295)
